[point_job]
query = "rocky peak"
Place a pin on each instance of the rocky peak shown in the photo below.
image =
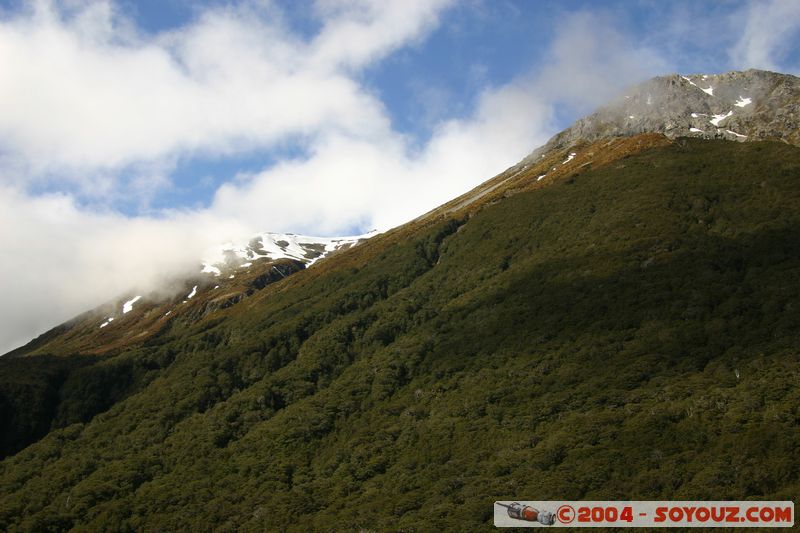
(741, 106)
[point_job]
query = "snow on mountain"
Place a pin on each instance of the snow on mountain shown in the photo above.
(274, 246)
(127, 307)
(221, 261)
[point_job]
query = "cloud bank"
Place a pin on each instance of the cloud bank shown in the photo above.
(84, 91)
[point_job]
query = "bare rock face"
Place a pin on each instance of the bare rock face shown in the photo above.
(741, 106)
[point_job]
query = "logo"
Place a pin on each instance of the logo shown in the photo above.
(683, 514)
(526, 513)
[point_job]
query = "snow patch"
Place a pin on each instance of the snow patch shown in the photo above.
(630, 116)
(168, 312)
(128, 306)
(570, 158)
(741, 102)
(194, 291)
(695, 130)
(211, 269)
(737, 134)
(709, 91)
(541, 177)
(243, 265)
(719, 118)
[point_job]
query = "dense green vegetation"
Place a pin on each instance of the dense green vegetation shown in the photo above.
(29, 397)
(631, 332)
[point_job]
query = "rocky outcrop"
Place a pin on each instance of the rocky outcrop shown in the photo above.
(276, 272)
(740, 106)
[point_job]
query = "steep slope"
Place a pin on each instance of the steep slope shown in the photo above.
(628, 331)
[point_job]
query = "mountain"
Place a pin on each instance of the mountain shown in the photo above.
(616, 324)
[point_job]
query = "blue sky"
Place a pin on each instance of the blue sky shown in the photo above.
(135, 134)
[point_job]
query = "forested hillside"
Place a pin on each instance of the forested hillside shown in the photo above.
(629, 331)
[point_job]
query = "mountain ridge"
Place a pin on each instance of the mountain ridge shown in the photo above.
(665, 106)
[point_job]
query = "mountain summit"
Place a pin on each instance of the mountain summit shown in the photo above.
(752, 105)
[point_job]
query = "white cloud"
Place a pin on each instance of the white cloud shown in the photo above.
(378, 182)
(357, 32)
(375, 180)
(765, 42)
(80, 91)
(59, 260)
(591, 61)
